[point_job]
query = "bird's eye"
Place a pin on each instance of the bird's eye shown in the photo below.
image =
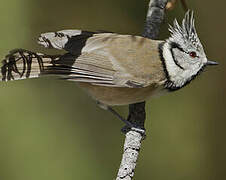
(193, 54)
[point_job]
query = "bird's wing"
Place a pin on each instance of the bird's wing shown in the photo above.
(106, 59)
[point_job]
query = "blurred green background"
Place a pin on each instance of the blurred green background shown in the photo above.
(51, 130)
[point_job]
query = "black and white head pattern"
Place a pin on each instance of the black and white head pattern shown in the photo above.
(182, 53)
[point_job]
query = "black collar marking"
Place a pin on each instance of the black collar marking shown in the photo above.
(169, 85)
(163, 60)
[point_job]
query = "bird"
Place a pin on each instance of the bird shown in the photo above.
(115, 69)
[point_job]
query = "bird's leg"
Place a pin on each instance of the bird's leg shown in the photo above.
(129, 125)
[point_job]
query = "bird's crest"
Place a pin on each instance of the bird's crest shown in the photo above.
(186, 32)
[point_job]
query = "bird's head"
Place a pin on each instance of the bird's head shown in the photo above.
(183, 54)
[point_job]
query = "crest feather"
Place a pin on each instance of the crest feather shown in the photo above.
(187, 29)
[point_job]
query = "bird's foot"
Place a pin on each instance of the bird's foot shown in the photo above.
(140, 130)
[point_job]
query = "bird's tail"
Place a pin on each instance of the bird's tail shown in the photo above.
(22, 64)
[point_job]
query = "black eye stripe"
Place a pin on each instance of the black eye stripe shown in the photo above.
(175, 45)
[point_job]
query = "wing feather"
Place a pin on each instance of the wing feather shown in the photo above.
(86, 68)
(105, 59)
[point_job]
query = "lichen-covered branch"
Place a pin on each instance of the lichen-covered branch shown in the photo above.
(131, 151)
(137, 113)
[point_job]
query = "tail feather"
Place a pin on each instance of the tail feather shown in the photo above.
(22, 64)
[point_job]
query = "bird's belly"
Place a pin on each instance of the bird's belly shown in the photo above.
(119, 95)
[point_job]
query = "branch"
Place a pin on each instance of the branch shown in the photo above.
(137, 113)
(154, 18)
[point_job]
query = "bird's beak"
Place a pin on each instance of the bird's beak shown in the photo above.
(211, 63)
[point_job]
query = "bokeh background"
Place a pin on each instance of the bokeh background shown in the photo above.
(51, 130)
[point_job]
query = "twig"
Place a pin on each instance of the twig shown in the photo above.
(137, 113)
(184, 5)
(171, 5)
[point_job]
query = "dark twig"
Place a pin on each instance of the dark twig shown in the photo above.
(184, 5)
